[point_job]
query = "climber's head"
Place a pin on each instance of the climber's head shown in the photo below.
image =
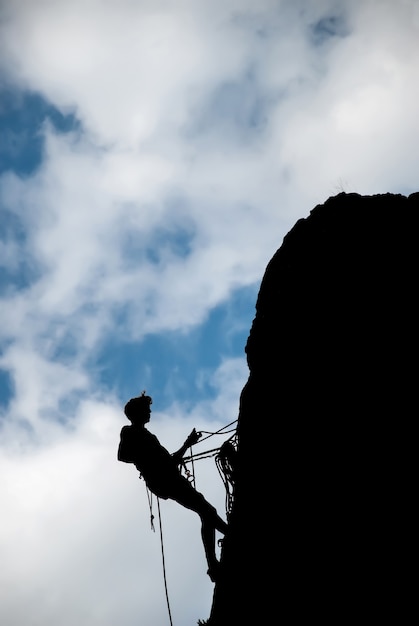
(138, 409)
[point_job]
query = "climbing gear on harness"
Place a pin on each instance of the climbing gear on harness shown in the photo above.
(150, 505)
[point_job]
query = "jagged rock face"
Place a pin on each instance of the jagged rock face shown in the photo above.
(323, 515)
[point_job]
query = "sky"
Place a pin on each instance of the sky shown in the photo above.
(153, 155)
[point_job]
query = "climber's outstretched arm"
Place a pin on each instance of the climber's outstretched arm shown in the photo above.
(190, 441)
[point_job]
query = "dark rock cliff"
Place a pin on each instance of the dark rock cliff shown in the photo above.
(323, 521)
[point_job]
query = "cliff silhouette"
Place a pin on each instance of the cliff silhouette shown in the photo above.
(323, 522)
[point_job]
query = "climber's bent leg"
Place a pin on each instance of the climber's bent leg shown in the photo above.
(187, 496)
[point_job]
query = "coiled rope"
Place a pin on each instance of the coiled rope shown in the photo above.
(224, 460)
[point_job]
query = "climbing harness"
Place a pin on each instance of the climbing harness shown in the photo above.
(190, 475)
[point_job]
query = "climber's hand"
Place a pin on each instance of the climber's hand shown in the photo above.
(193, 438)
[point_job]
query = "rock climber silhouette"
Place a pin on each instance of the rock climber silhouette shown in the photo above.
(161, 472)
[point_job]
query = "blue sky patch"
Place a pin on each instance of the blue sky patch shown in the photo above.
(17, 271)
(6, 388)
(168, 242)
(328, 27)
(174, 239)
(235, 110)
(172, 366)
(21, 117)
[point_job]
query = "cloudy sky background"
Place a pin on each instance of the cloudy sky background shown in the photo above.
(153, 155)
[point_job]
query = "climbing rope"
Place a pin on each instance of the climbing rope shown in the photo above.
(208, 453)
(150, 505)
(218, 432)
(163, 562)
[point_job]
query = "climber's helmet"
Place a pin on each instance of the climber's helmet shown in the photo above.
(138, 407)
